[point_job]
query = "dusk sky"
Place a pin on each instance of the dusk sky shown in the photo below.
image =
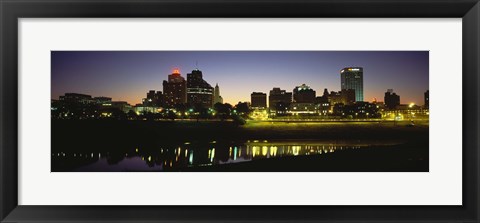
(128, 75)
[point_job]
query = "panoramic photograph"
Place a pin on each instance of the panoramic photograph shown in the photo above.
(239, 111)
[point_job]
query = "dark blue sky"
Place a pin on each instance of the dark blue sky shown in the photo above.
(128, 75)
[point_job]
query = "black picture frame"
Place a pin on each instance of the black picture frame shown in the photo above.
(12, 10)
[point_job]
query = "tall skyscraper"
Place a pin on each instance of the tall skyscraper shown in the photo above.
(352, 78)
(175, 89)
(392, 100)
(258, 100)
(198, 90)
(217, 98)
(303, 94)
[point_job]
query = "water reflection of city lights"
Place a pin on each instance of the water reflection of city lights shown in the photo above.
(235, 153)
(190, 159)
(223, 154)
(213, 155)
(273, 151)
(264, 150)
(254, 150)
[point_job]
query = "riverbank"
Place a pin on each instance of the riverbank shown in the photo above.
(65, 132)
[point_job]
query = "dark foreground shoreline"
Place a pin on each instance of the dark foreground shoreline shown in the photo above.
(409, 153)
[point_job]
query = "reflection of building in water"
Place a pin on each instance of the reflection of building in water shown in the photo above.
(176, 158)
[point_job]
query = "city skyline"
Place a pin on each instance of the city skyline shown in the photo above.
(128, 75)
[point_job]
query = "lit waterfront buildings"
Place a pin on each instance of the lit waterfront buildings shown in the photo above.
(303, 108)
(175, 89)
(181, 97)
(357, 110)
(199, 91)
(352, 78)
(258, 100)
(82, 106)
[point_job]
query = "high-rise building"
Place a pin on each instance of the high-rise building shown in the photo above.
(217, 98)
(427, 99)
(392, 100)
(352, 78)
(199, 92)
(258, 100)
(175, 89)
(279, 96)
(303, 94)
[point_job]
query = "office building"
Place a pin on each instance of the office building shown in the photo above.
(392, 100)
(76, 98)
(175, 89)
(345, 97)
(199, 92)
(258, 100)
(153, 99)
(352, 78)
(279, 101)
(279, 96)
(303, 94)
(102, 100)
